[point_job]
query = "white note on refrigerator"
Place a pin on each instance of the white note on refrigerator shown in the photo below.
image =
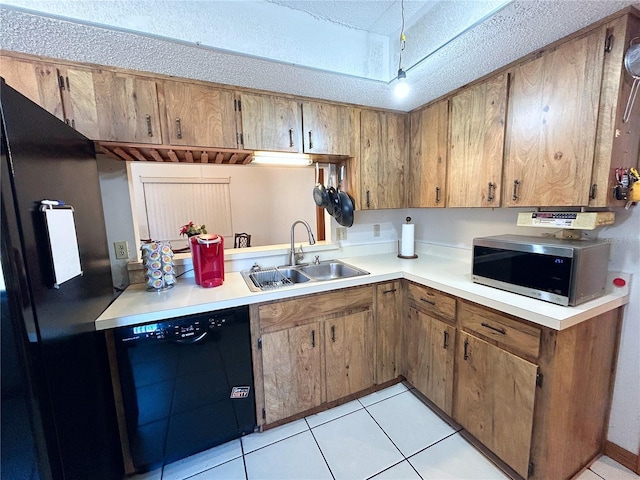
(63, 242)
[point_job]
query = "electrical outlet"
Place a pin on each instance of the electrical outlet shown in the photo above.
(341, 233)
(122, 250)
(376, 230)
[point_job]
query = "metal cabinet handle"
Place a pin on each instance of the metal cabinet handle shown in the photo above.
(149, 129)
(593, 191)
(466, 349)
(368, 200)
(178, 128)
(430, 302)
(495, 329)
(515, 189)
(333, 333)
(61, 82)
(437, 194)
(291, 137)
(313, 339)
(490, 194)
(389, 291)
(445, 343)
(310, 141)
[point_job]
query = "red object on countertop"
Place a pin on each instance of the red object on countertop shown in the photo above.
(619, 282)
(207, 252)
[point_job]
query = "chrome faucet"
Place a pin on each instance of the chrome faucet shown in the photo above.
(293, 257)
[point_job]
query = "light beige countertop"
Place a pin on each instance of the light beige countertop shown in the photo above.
(449, 274)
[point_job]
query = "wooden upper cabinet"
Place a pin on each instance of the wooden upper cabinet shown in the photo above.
(326, 128)
(553, 118)
(383, 152)
(200, 115)
(79, 101)
(617, 143)
(477, 123)
(127, 108)
(271, 123)
(36, 81)
(428, 156)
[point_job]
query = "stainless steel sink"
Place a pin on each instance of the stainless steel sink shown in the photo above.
(279, 277)
(331, 270)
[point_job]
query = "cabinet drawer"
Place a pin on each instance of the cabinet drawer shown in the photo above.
(298, 311)
(517, 336)
(432, 301)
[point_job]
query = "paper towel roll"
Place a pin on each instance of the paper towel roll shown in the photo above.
(407, 245)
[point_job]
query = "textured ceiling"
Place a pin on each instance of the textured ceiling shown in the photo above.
(336, 50)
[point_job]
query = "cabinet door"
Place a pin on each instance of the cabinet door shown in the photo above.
(79, 100)
(36, 81)
(271, 123)
(292, 371)
(428, 156)
(388, 331)
(383, 153)
(199, 115)
(553, 115)
(495, 396)
(348, 354)
(127, 108)
(477, 124)
(326, 128)
(617, 142)
(429, 353)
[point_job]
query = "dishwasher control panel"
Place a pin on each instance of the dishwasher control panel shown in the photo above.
(193, 327)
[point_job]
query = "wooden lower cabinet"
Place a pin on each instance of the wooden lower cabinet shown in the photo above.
(388, 330)
(292, 371)
(348, 354)
(538, 398)
(429, 352)
(314, 350)
(495, 399)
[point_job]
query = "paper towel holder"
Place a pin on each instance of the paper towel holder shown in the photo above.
(399, 249)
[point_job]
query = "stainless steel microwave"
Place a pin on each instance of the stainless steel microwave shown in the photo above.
(566, 272)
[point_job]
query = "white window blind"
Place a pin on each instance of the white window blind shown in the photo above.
(173, 202)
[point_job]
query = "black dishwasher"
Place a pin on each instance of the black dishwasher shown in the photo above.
(186, 385)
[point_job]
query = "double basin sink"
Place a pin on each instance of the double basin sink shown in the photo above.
(267, 279)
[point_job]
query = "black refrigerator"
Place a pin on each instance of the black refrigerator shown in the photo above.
(57, 405)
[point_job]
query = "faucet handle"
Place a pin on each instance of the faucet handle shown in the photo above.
(317, 260)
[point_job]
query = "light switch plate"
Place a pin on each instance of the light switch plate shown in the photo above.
(341, 233)
(376, 230)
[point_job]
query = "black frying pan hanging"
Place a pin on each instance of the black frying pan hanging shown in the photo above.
(344, 204)
(320, 194)
(332, 194)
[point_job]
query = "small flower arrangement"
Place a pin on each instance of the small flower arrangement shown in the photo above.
(191, 229)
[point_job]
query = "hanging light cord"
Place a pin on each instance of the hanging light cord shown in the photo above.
(403, 39)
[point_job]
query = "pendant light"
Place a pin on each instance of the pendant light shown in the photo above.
(401, 90)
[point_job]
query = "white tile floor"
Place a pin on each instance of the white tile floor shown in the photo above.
(389, 434)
